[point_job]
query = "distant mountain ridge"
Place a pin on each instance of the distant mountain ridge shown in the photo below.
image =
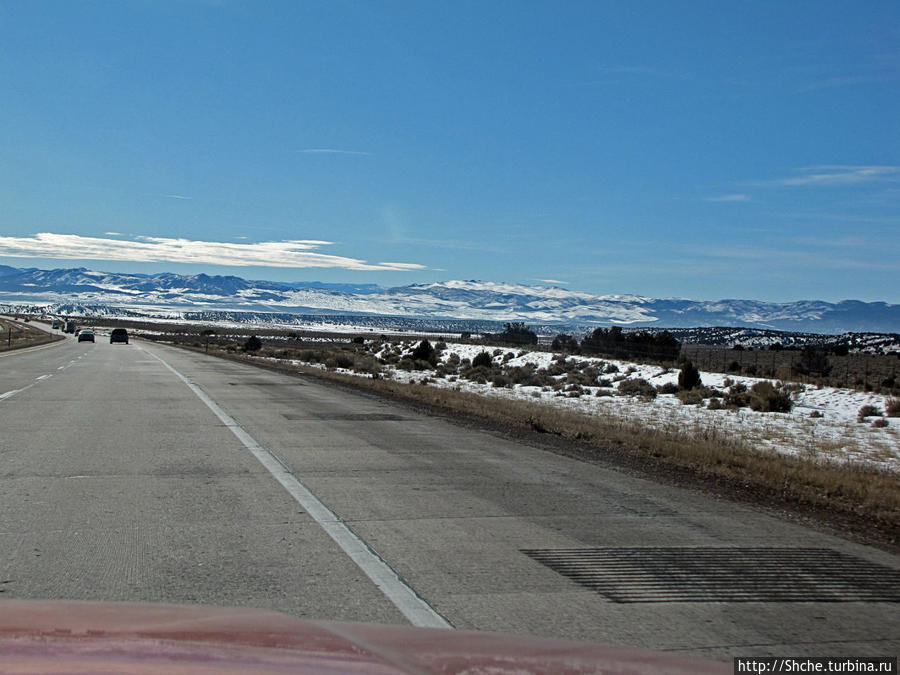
(465, 300)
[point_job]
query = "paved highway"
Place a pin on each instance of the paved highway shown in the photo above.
(144, 473)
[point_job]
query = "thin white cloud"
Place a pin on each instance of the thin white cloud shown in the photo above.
(178, 197)
(332, 151)
(794, 256)
(729, 198)
(113, 234)
(553, 281)
(839, 174)
(295, 254)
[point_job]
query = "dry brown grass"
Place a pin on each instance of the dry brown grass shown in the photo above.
(858, 498)
(22, 336)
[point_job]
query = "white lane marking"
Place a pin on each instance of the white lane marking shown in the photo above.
(404, 598)
(12, 393)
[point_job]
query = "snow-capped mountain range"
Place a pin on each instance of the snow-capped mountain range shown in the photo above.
(465, 300)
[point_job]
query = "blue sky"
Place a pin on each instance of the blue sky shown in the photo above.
(671, 149)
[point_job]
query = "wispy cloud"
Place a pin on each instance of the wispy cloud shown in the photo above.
(839, 174)
(177, 197)
(295, 253)
(332, 151)
(729, 198)
(113, 234)
(795, 256)
(556, 282)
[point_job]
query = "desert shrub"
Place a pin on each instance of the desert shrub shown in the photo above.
(483, 360)
(610, 368)
(892, 407)
(668, 388)
(405, 363)
(499, 379)
(880, 423)
(578, 377)
(478, 374)
(750, 369)
(715, 404)
(557, 368)
(733, 367)
(766, 397)
(816, 414)
(341, 360)
(637, 387)
(791, 387)
(690, 396)
(867, 411)
(689, 377)
(603, 392)
(366, 365)
(528, 376)
(737, 396)
(424, 352)
(253, 344)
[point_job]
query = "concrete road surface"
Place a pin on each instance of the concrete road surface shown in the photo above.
(141, 472)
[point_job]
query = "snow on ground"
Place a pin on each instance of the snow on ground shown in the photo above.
(833, 434)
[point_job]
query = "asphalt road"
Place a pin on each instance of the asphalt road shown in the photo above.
(144, 473)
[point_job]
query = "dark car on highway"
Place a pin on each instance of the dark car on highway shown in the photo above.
(86, 335)
(118, 335)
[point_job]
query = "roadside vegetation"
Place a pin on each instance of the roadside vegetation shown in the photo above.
(19, 335)
(858, 497)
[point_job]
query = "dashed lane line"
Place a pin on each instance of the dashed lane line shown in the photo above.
(403, 596)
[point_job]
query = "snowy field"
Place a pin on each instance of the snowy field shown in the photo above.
(822, 424)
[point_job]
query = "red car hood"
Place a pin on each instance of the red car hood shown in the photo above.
(87, 637)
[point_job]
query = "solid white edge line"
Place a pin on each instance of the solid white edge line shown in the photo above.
(402, 596)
